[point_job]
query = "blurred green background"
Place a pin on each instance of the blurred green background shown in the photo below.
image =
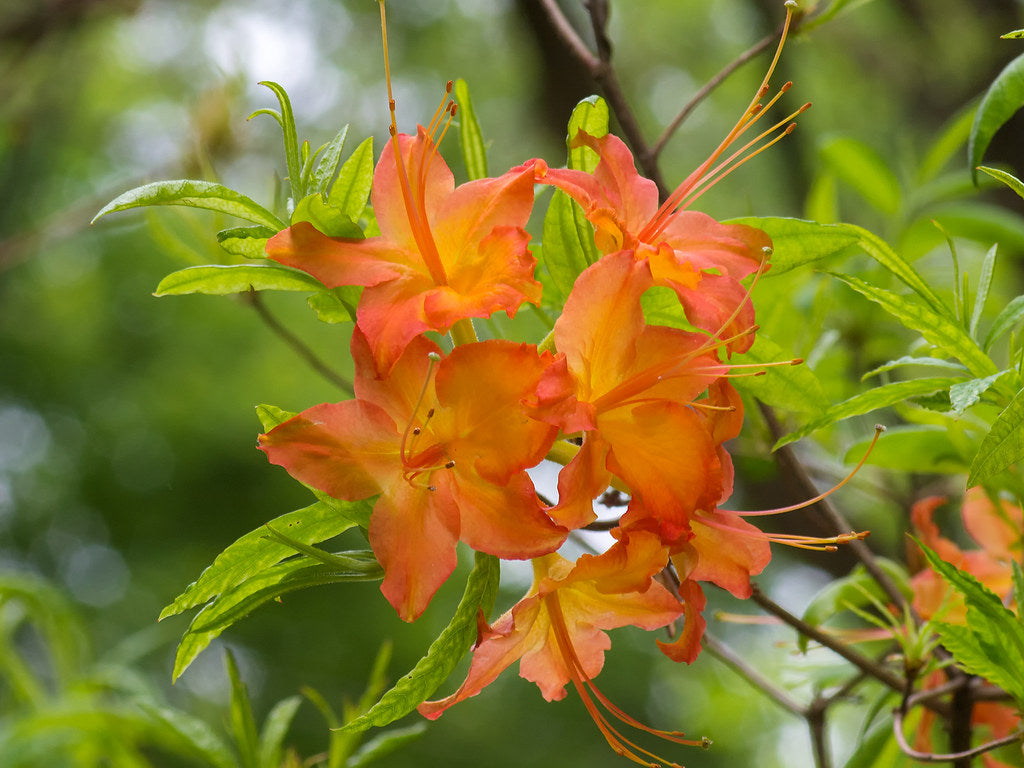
(127, 430)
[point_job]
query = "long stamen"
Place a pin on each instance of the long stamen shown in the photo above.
(404, 447)
(879, 429)
(417, 216)
(585, 687)
(815, 543)
(751, 115)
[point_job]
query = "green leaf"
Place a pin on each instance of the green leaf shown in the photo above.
(351, 189)
(199, 737)
(880, 251)
(444, 653)
(1002, 446)
(965, 394)
(878, 748)
(872, 400)
(988, 267)
(991, 644)
(1002, 100)
(568, 247)
(328, 219)
(286, 119)
(788, 387)
(471, 138)
(275, 728)
(1016, 34)
(1010, 315)
(1007, 178)
(948, 144)
(938, 329)
(243, 724)
(194, 194)
(218, 280)
(336, 305)
(250, 242)
(590, 116)
(257, 551)
(271, 416)
(234, 604)
(796, 243)
(928, 362)
(330, 156)
(384, 744)
(915, 448)
(861, 168)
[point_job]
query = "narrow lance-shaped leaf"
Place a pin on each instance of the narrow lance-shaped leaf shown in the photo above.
(471, 138)
(872, 400)
(351, 189)
(1010, 315)
(861, 168)
(286, 119)
(219, 280)
(938, 329)
(250, 242)
(590, 116)
(194, 194)
(988, 267)
(275, 729)
(196, 733)
(257, 551)
(965, 394)
(444, 653)
(234, 604)
(1002, 446)
(796, 243)
(909, 360)
(243, 723)
(1003, 98)
(330, 157)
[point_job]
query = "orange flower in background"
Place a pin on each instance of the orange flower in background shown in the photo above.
(997, 528)
(444, 253)
(556, 632)
(445, 445)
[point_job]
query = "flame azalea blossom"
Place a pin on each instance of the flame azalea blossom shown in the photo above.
(623, 207)
(444, 253)
(633, 391)
(557, 632)
(996, 528)
(445, 445)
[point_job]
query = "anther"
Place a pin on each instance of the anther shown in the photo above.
(450, 464)
(416, 431)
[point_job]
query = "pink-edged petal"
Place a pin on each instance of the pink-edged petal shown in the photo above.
(719, 305)
(627, 566)
(413, 532)
(731, 249)
(409, 382)
(348, 450)
(602, 318)
(506, 521)
(338, 261)
(580, 482)
(729, 551)
(390, 316)
(686, 647)
(482, 386)
(430, 183)
(499, 647)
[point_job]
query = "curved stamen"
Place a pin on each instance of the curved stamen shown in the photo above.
(879, 429)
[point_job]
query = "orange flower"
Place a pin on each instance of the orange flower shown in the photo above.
(445, 445)
(557, 632)
(444, 253)
(996, 528)
(634, 391)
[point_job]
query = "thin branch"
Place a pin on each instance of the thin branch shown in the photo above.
(731, 659)
(300, 348)
(931, 757)
(599, 67)
(863, 663)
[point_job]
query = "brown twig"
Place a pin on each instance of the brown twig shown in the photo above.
(298, 345)
(866, 665)
(953, 757)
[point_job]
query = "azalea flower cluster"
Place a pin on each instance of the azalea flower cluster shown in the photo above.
(445, 440)
(995, 525)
